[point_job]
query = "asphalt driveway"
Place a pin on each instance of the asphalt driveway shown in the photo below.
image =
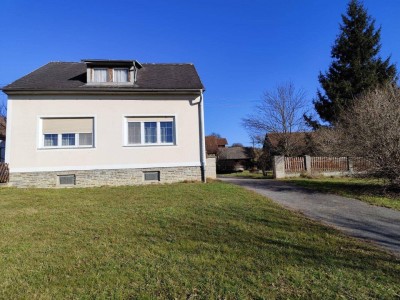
(358, 219)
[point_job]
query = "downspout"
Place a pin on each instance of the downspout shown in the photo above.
(202, 139)
(134, 73)
(136, 65)
(8, 135)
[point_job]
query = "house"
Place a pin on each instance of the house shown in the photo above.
(2, 138)
(105, 122)
(234, 159)
(214, 144)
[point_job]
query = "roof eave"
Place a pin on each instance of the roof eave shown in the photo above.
(100, 91)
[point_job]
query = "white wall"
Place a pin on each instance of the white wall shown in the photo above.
(24, 151)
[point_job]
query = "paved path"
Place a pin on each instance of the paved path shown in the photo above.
(356, 218)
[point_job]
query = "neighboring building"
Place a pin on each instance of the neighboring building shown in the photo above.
(105, 122)
(214, 144)
(234, 159)
(296, 143)
(2, 138)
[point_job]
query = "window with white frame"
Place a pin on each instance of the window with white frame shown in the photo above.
(120, 75)
(150, 131)
(100, 75)
(67, 132)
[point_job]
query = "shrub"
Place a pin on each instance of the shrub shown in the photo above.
(369, 129)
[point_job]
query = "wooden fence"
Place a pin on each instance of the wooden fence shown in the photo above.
(3, 172)
(294, 166)
(329, 164)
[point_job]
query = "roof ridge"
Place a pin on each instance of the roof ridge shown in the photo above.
(144, 63)
(64, 62)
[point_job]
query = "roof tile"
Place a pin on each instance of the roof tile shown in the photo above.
(66, 76)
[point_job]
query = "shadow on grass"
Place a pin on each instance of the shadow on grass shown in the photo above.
(246, 175)
(271, 240)
(348, 186)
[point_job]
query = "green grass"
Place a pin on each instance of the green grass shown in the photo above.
(367, 190)
(247, 174)
(184, 241)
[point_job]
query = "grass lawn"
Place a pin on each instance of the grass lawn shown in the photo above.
(247, 174)
(185, 241)
(367, 190)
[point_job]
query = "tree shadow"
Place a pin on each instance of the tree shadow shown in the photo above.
(282, 240)
(358, 188)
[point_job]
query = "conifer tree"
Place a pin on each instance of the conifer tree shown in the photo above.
(356, 66)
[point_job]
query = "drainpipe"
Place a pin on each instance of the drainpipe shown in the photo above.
(136, 66)
(202, 138)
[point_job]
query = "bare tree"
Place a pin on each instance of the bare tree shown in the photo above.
(217, 135)
(369, 129)
(280, 112)
(328, 141)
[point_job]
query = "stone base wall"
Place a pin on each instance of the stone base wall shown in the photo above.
(113, 177)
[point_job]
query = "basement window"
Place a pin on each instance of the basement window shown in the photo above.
(152, 176)
(66, 179)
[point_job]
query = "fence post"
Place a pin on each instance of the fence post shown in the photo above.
(307, 164)
(350, 165)
(278, 163)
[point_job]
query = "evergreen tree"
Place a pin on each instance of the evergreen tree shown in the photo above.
(356, 65)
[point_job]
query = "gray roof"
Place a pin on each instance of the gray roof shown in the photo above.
(71, 76)
(234, 153)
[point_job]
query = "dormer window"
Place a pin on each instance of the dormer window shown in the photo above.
(100, 75)
(120, 75)
(111, 72)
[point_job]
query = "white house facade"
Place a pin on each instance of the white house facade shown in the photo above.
(105, 122)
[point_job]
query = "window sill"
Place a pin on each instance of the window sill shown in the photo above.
(110, 83)
(65, 148)
(149, 145)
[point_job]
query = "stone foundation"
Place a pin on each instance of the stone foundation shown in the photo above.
(112, 177)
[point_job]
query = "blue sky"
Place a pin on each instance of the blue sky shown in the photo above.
(240, 48)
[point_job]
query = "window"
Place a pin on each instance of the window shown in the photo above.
(68, 139)
(109, 75)
(50, 140)
(120, 75)
(100, 75)
(151, 176)
(85, 139)
(67, 132)
(167, 132)
(134, 133)
(66, 179)
(150, 131)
